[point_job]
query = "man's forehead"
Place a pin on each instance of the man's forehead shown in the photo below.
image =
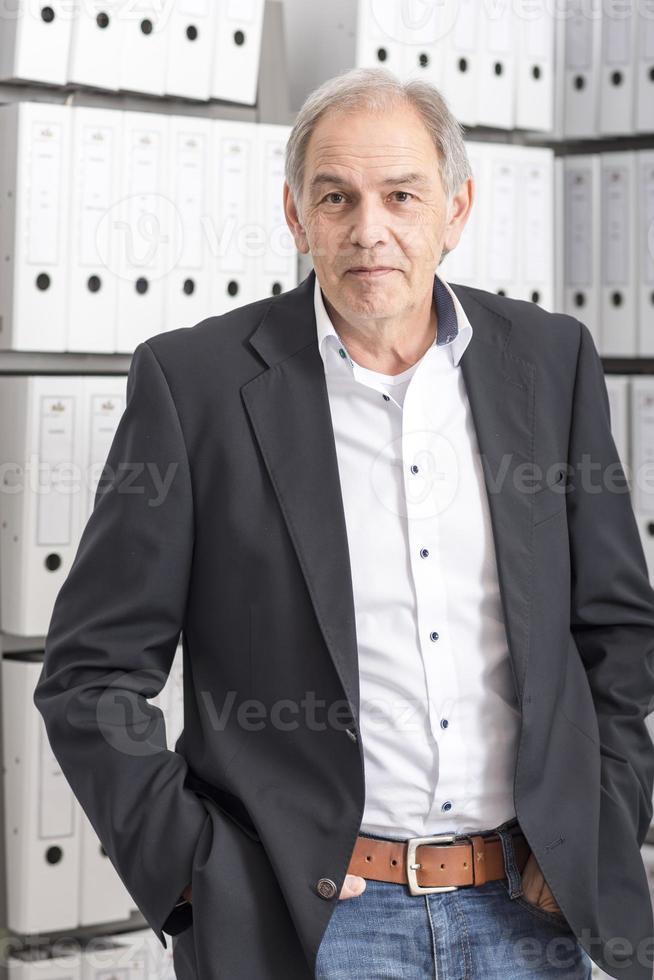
(399, 133)
(349, 158)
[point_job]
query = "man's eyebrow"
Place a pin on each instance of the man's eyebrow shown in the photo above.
(412, 178)
(409, 178)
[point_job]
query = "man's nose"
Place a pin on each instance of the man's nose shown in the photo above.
(370, 225)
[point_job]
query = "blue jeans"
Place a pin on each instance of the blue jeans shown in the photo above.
(485, 931)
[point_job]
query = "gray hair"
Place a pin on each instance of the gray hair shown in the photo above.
(378, 89)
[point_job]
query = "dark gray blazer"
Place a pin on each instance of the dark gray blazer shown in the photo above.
(244, 550)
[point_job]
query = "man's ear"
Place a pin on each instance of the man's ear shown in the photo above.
(294, 221)
(459, 212)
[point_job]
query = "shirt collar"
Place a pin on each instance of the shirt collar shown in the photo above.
(454, 330)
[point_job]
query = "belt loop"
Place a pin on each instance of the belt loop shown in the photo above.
(512, 873)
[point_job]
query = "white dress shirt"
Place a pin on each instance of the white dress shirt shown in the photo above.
(439, 718)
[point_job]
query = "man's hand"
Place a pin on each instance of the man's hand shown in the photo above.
(535, 888)
(187, 893)
(352, 886)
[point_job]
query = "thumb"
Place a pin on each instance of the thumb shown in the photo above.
(352, 886)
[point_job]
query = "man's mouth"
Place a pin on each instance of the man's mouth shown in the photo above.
(371, 273)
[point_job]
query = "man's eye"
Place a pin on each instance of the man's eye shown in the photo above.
(406, 194)
(333, 194)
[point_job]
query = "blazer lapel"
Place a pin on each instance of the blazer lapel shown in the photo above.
(289, 409)
(288, 406)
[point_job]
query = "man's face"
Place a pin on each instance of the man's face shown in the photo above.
(373, 198)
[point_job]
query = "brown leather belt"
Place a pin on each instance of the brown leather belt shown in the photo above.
(439, 863)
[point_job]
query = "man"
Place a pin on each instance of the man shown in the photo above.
(406, 610)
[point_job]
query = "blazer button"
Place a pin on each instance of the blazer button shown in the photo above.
(352, 734)
(326, 888)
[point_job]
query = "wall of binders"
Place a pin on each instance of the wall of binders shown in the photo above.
(116, 225)
(60, 883)
(141, 172)
(572, 68)
(200, 50)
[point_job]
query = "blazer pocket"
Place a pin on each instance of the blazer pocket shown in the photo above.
(550, 500)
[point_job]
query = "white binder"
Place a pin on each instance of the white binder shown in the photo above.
(379, 35)
(500, 219)
(237, 50)
(142, 241)
(191, 36)
(41, 819)
(645, 250)
(618, 235)
(34, 188)
(496, 80)
(102, 402)
(91, 320)
(642, 443)
(642, 459)
(644, 108)
(144, 47)
(580, 37)
(190, 170)
(534, 37)
(234, 174)
(34, 41)
(559, 232)
(535, 272)
(619, 392)
(96, 43)
(40, 432)
(459, 49)
(419, 27)
(617, 73)
(277, 265)
(581, 240)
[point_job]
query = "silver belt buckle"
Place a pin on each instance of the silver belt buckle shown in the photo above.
(411, 866)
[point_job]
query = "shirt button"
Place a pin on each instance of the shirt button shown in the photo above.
(342, 352)
(444, 722)
(424, 553)
(386, 398)
(414, 468)
(447, 805)
(326, 888)
(433, 636)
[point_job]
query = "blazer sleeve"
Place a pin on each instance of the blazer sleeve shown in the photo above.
(612, 602)
(111, 640)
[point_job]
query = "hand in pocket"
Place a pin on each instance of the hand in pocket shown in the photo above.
(535, 888)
